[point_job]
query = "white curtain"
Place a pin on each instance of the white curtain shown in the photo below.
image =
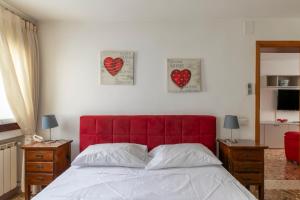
(19, 68)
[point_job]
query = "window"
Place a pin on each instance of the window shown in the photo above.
(6, 115)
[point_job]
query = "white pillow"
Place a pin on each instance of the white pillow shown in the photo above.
(113, 154)
(181, 155)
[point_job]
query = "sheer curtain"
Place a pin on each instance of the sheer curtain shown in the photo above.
(19, 69)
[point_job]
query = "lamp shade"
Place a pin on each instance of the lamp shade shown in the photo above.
(231, 122)
(49, 121)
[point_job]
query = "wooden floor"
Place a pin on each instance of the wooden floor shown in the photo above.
(19, 197)
(282, 178)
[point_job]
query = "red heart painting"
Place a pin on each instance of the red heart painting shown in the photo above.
(181, 77)
(113, 66)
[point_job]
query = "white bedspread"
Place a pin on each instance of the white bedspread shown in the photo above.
(114, 183)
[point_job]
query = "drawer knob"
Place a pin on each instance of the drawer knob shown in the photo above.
(40, 178)
(39, 166)
(39, 156)
(247, 156)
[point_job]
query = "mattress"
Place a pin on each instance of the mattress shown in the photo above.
(116, 183)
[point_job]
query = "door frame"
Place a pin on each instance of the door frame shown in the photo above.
(268, 47)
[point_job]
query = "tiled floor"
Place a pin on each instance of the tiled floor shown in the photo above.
(277, 168)
(282, 177)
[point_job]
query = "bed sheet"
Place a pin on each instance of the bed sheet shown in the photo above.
(120, 183)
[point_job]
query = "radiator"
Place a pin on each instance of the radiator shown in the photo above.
(8, 167)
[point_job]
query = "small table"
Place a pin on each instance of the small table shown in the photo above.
(245, 161)
(44, 162)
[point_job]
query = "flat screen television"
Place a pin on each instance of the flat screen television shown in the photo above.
(288, 100)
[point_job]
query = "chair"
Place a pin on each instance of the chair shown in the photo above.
(292, 146)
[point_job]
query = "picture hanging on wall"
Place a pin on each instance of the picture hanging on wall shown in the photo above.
(184, 75)
(116, 68)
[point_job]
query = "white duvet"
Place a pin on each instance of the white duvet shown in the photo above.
(116, 183)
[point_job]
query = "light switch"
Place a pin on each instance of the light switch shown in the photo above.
(250, 88)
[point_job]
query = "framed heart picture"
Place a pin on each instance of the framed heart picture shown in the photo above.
(117, 68)
(184, 75)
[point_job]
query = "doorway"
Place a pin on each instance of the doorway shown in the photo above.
(268, 47)
(282, 176)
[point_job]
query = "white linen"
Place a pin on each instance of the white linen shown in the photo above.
(113, 154)
(181, 155)
(115, 183)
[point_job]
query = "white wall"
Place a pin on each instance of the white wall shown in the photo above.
(70, 54)
(277, 64)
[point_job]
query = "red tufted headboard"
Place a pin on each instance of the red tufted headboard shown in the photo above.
(151, 130)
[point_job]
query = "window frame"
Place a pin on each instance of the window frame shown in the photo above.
(9, 127)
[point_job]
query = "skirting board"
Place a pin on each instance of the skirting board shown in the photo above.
(11, 194)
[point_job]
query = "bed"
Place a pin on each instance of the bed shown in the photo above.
(110, 183)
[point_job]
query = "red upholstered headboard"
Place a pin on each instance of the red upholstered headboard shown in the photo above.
(151, 130)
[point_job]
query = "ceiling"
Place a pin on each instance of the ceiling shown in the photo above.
(154, 10)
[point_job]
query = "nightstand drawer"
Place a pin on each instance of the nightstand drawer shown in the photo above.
(248, 166)
(247, 155)
(38, 178)
(249, 178)
(39, 167)
(44, 162)
(39, 155)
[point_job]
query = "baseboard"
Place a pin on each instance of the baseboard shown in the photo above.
(10, 194)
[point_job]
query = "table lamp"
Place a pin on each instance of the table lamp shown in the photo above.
(231, 122)
(49, 122)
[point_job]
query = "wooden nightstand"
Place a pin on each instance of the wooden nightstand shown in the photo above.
(44, 162)
(245, 161)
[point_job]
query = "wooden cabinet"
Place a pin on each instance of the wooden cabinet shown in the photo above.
(44, 162)
(245, 161)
